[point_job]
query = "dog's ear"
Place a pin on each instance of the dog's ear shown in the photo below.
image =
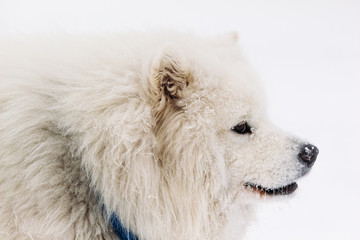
(171, 74)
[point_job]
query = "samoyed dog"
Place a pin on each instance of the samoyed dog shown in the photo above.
(158, 136)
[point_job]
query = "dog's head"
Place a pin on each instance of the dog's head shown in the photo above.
(211, 108)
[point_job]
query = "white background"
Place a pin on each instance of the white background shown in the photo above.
(308, 56)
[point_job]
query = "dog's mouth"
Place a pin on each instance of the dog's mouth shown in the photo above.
(284, 190)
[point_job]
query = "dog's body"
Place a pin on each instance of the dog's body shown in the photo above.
(168, 132)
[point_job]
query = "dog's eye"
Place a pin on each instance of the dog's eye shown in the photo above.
(242, 128)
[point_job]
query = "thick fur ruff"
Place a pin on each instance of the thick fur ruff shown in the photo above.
(140, 124)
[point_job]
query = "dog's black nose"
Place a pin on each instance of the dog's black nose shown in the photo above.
(308, 154)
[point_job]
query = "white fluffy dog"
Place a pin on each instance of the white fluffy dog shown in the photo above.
(164, 135)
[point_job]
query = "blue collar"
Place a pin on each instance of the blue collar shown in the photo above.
(122, 232)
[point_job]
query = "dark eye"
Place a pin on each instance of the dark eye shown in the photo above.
(242, 128)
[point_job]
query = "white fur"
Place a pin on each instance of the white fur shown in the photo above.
(140, 123)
